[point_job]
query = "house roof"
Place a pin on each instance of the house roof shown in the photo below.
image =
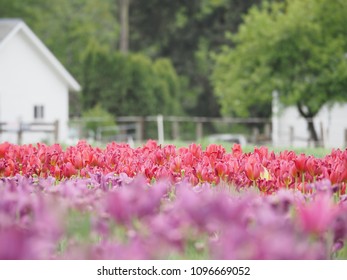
(10, 27)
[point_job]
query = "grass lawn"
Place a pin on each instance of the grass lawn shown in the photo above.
(317, 152)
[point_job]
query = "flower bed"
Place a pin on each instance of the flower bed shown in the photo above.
(158, 202)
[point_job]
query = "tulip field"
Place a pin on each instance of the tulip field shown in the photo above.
(163, 202)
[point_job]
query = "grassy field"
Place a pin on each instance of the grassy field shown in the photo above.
(317, 152)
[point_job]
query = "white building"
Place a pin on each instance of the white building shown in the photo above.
(34, 86)
(289, 129)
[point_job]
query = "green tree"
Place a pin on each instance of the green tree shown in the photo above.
(167, 88)
(187, 32)
(131, 84)
(96, 118)
(297, 48)
(17, 9)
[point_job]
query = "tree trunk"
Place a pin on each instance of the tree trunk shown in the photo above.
(308, 115)
(313, 132)
(124, 25)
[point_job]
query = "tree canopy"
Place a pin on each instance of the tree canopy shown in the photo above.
(297, 47)
(187, 32)
(131, 84)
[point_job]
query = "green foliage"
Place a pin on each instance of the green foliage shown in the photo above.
(97, 117)
(187, 32)
(131, 84)
(167, 88)
(295, 47)
(78, 226)
(73, 29)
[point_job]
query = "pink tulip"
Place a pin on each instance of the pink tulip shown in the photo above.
(317, 215)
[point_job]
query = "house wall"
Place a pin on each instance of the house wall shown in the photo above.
(290, 129)
(26, 80)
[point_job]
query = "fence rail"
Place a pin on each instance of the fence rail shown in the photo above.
(174, 124)
(30, 127)
(198, 121)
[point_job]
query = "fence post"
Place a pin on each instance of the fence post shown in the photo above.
(199, 130)
(276, 119)
(160, 124)
(20, 133)
(175, 130)
(267, 131)
(139, 129)
(56, 131)
(291, 136)
(255, 135)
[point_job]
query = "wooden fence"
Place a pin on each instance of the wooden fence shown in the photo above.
(176, 121)
(31, 127)
(136, 127)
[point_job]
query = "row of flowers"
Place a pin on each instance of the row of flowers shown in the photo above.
(261, 168)
(119, 217)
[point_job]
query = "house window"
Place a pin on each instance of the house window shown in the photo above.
(38, 112)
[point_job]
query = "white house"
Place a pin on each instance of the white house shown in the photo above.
(34, 86)
(289, 129)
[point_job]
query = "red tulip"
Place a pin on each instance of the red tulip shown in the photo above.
(4, 148)
(300, 163)
(221, 169)
(253, 169)
(69, 170)
(236, 150)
